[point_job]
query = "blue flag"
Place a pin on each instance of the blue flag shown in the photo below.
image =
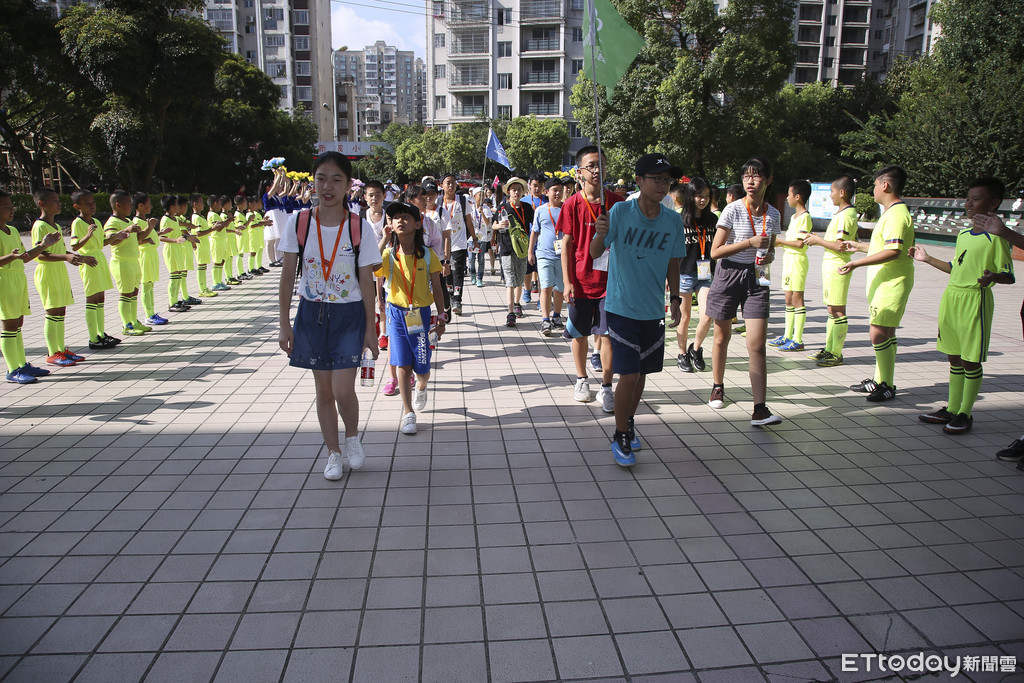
(495, 151)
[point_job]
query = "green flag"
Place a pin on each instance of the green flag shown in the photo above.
(610, 42)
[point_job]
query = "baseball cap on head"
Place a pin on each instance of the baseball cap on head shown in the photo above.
(656, 162)
(398, 208)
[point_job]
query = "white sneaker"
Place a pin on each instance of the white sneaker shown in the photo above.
(354, 451)
(419, 399)
(582, 391)
(335, 469)
(607, 398)
(409, 423)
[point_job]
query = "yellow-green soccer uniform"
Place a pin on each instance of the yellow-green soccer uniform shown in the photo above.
(794, 275)
(149, 267)
(13, 298)
(203, 253)
(54, 286)
(965, 313)
(125, 268)
(188, 250)
(174, 259)
(835, 287)
(242, 244)
(889, 284)
(256, 242)
(218, 244)
(96, 278)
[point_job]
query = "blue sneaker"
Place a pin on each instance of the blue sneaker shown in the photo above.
(526, 297)
(622, 451)
(791, 345)
(19, 376)
(778, 341)
(156, 319)
(634, 440)
(220, 287)
(595, 362)
(34, 371)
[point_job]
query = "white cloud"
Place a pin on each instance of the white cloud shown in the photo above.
(358, 27)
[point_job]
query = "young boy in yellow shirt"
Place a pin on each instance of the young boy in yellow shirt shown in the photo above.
(89, 241)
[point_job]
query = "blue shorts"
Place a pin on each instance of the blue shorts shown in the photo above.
(688, 283)
(550, 271)
(328, 336)
(586, 317)
(405, 349)
(638, 346)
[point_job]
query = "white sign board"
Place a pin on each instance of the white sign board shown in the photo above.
(349, 148)
(820, 205)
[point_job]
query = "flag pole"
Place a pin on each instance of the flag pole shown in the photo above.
(592, 15)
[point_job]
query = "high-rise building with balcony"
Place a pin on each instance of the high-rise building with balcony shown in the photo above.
(835, 40)
(386, 86)
(904, 28)
(290, 40)
(502, 59)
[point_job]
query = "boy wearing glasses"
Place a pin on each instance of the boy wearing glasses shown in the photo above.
(646, 241)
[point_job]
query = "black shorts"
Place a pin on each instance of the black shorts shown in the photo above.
(586, 317)
(734, 286)
(530, 267)
(638, 346)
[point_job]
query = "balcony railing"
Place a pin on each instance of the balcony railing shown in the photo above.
(540, 9)
(541, 77)
(468, 110)
(540, 44)
(547, 109)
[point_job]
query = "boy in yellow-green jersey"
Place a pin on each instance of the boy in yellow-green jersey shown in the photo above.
(123, 237)
(240, 244)
(795, 267)
(965, 311)
(14, 304)
(204, 250)
(89, 241)
(890, 279)
(149, 256)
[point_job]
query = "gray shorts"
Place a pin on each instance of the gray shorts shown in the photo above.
(514, 269)
(733, 287)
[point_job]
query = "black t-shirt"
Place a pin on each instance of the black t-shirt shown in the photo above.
(704, 228)
(521, 215)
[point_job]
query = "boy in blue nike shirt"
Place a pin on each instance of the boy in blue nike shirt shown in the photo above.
(646, 241)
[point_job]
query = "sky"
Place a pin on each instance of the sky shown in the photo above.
(365, 24)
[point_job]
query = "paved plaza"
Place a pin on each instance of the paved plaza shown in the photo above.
(164, 516)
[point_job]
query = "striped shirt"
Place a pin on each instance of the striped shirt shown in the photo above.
(738, 222)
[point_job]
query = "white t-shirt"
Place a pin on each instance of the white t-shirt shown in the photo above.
(452, 218)
(432, 236)
(378, 227)
(343, 286)
(482, 219)
(738, 221)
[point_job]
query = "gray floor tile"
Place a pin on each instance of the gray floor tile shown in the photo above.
(587, 657)
(521, 660)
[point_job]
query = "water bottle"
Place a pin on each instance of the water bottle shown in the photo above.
(759, 256)
(366, 369)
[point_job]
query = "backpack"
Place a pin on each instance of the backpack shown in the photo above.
(302, 231)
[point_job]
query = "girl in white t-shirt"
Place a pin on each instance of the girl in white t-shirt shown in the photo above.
(482, 217)
(334, 322)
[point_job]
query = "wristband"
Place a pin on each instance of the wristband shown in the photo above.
(675, 299)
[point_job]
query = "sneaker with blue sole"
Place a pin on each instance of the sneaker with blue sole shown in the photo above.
(622, 451)
(220, 287)
(791, 345)
(595, 362)
(19, 376)
(526, 298)
(156, 320)
(778, 341)
(634, 440)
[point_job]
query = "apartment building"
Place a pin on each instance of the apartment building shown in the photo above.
(502, 59)
(377, 86)
(835, 40)
(904, 29)
(290, 40)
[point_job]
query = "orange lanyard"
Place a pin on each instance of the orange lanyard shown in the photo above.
(521, 215)
(764, 219)
(412, 283)
(320, 241)
(702, 237)
(553, 224)
(600, 206)
(449, 207)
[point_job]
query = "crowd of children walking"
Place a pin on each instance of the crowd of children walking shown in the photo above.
(377, 276)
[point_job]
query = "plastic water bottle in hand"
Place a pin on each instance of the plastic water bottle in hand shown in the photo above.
(366, 367)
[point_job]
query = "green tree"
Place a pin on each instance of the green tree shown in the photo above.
(147, 59)
(536, 144)
(45, 104)
(960, 110)
(701, 87)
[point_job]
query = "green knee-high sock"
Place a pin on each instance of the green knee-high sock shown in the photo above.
(259, 257)
(22, 361)
(229, 271)
(201, 280)
(841, 326)
(124, 309)
(183, 286)
(972, 385)
(218, 274)
(148, 299)
(172, 290)
(790, 320)
(956, 389)
(9, 348)
(101, 318)
(241, 263)
(252, 262)
(90, 322)
(830, 333)
(885, 361)
(53, 332)
(799, 320)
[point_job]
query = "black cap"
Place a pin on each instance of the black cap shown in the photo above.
(552, 182)
(430, 186)
(396, 208)
(656, 163)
